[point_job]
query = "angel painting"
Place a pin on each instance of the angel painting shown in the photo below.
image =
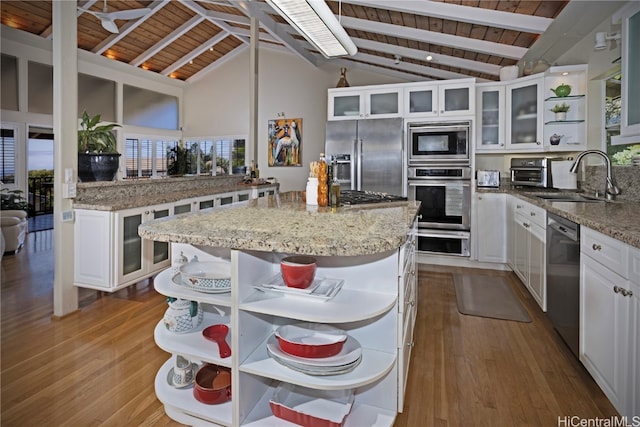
(285, 140)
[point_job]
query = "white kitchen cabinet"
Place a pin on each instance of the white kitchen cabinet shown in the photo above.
(137, 258)
(572, 129)
(376, 306)
(490, 232)
(453, 98)
(366, 102)
(490, 123)
(609, 318)
(524, 118)
(529, 246)
(109, 254)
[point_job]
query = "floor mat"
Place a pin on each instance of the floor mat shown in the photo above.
(488, 296)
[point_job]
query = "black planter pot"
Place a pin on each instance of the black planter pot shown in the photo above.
(98, 167)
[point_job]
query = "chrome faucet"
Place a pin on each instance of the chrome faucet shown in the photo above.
(612, 190)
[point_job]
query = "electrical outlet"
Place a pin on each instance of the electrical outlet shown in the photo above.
(67, 216)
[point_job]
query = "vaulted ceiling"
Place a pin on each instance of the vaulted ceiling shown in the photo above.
(185, 39)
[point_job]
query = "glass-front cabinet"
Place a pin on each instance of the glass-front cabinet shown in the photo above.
(455, 98)
(524, 128)
(490, 107)
(138, 256)
(630, 124)
(365, 103)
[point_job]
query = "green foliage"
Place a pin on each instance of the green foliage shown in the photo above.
(560, 108)
(626, 156)
(12, 199)
(94, 138)
(178, 160)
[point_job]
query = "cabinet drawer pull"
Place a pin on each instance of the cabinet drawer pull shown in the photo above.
(617, 289)
(411, 344)
(626, 293)
(596, 247)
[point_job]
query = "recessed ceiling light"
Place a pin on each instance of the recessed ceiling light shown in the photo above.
(210, 49)
(429, 57)
(191, 62)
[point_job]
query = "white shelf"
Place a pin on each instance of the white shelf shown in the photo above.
(348, 305)
(183, 399)
(360, 415)
(164, 285)
(193, 345)
(374, 365)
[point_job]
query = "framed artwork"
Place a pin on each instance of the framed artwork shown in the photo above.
(285, 142)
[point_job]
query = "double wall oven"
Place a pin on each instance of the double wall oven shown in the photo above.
(439, 176)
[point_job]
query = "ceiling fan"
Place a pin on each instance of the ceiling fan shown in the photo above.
(108, 18)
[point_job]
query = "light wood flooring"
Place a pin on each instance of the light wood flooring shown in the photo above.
(96, 367)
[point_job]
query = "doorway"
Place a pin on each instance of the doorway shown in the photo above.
(40, 150)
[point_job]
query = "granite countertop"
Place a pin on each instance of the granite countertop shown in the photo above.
(284, 223)
(617, 219)
(127, 201)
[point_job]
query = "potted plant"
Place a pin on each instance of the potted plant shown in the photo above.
(12, 200)
(561, 111)
(98, 157)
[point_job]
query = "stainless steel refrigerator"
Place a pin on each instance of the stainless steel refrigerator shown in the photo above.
(369, 153)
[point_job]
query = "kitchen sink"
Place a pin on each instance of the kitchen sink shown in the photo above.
(569, 198)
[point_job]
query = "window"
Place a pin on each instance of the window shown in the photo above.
(230, 156)
(156, 156)
(8, 152)
(146, 157)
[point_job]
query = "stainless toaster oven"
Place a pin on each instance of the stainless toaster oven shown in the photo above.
(531, 172)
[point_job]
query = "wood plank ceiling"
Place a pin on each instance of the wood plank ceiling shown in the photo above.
(185, 39)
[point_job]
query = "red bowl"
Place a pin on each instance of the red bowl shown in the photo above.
(212, 384)
(298, 271)
(310, 340)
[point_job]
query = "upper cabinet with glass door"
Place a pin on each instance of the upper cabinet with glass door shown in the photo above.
(490, 107)
(524, 128)
(439, 99)
(370, 102)
(630, 117)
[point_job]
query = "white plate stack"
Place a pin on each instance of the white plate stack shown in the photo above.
(635, 161)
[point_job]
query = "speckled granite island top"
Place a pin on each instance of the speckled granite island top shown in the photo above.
(284, 223)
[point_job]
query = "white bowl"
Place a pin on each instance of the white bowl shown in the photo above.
(206, 276)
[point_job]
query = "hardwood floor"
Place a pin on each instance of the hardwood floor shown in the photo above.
(96, 367)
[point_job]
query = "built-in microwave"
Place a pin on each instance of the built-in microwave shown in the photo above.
(438, 142)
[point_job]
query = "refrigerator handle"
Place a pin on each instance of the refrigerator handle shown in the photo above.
(359, 164)
(353, 164)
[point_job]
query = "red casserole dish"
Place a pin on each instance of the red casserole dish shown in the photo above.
(311, 340)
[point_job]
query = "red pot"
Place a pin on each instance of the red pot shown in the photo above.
(298, 271)
(212, 384)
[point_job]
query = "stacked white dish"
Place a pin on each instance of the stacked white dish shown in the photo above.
(635, 161)
(344, 357)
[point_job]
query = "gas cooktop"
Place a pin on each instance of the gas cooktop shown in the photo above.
(355, 197)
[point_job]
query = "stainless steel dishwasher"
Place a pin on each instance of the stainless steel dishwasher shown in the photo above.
(563, 278)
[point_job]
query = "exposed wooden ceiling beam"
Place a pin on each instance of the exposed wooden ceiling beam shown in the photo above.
(451, 61)
(465, 43)
(409, 66)
(195, 53)
(164, 42)
(124, 30)
(456, 12)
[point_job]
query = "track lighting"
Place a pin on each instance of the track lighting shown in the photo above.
(397, 60)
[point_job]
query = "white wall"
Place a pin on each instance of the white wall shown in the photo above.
(218, 104)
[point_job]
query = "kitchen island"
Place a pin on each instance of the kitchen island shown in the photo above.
(368, 250)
